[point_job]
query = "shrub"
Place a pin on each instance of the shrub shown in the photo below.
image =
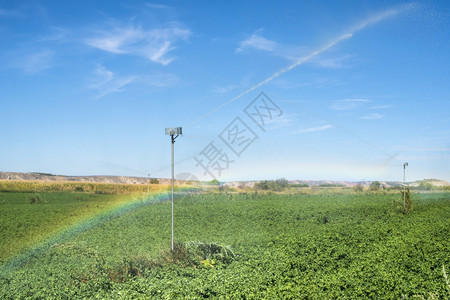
(374, 186)
(299, 185)
(214, 182)
(407, 201)
(36, 199)
(425, 185)
(209, 253)
(322, 219)
(277, 185)
(132, 266)
(358, 188)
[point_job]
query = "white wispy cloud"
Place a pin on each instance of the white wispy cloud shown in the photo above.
(35, 62)
(294, 101)
(224, 89)
(372, 116)
(153, 44)
(347, 104)
(108, 82)
(283, 121)
(257, 42)
(54, 35)
(423, 149)
(331, 62)
(311, 81)
(380, 107)
(313, 129)
(159, 79)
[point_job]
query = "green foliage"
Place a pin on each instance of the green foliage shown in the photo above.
(23, 224)
(325, 246)
(44, 174)
(191, 254)
(374, 186)
(214, 182)
(407, 201)
(425, 185)
(359, 188)
(36, 199)
(403, 204)
(154, 181)
(327, 185)
(277, 185)
(199, 252)
(299, 185)
(88, 187)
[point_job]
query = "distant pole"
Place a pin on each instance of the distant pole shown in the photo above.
(173, 143)
(148, 186)
(405, 164)
(172, 132)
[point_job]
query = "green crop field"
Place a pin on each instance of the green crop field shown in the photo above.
(229, 246)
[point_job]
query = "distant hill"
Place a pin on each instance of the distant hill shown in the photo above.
(62, 178)
(387, 184)
(35, 176)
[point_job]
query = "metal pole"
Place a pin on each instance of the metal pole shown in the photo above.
(404, 190)
(173, 142)
(404, 187)
(172, 132)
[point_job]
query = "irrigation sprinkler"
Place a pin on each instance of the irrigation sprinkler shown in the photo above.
(174, 132)
(405, 164)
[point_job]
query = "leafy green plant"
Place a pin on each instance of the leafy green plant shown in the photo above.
(364, 251)
(130, 267)
(374, 186)
(199, 252)
(272, 185)
(407, 201)
(359, 188)
(36, 199)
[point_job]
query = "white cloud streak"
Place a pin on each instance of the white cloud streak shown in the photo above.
(313, 129)
(224, 89)
(257, 42)
(347, 104)
(373, 116)
(154, 44)
(109, 82)
(370, 21)
(37, 62)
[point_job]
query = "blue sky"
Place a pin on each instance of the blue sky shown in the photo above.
(338, 90)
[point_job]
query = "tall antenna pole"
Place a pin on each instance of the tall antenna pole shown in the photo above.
(173, 142)
(172, 132)
(404, 187)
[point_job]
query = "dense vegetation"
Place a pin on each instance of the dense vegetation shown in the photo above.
(230, 245)
(274, 185)
(90, 187)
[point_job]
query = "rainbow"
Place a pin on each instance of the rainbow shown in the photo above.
(82, 226)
